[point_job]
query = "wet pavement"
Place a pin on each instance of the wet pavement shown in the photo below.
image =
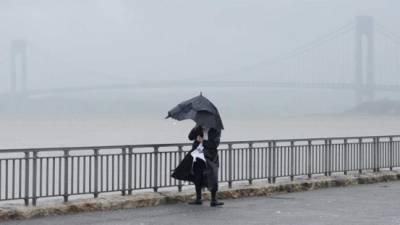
(373, 204)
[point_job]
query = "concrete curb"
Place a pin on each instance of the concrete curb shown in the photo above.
(139, 200)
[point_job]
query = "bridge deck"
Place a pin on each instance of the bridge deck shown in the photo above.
(211, 84)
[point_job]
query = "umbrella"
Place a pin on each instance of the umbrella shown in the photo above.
(199, 109)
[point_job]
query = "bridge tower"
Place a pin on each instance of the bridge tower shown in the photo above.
(364, 59)
(18, 69)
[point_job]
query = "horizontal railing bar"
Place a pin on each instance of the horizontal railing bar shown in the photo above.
(83, 148)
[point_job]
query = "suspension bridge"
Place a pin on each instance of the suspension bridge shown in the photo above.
(362, 56)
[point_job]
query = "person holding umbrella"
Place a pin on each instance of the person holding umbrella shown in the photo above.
(205, 173)
(201, 164)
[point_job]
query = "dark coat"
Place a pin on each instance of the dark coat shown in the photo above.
(184, 170)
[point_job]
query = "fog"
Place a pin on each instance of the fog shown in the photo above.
(166, 49)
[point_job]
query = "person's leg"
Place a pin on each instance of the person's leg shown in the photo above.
(198, 174)
(198, 192)
(214, 202)
(213, 195)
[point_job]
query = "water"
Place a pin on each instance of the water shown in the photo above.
(18, 133)
(137, 117)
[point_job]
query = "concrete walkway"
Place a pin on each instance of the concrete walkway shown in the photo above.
(372, 204)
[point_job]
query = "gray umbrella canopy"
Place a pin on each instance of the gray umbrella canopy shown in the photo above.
(199, 109)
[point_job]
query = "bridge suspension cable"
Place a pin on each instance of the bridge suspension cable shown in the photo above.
(388, 52)
(348, 27)
(388, 33)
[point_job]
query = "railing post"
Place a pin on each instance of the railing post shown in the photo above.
(329, 157)
(155, 168)
(326, 157)
(96, 173)
(230, 165)
(345, 149)
(360, 155)
(34, 178)
(374, 159)
(309, 159)
(180, 151)
(250, 163)
(291, 160)
(130, 170)
(270, 162)
(123, 171)
(391, 153)
(26, 199)
(378, 154)
(274, 162)
(66, 170)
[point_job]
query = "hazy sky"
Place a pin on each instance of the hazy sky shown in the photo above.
(73, 42)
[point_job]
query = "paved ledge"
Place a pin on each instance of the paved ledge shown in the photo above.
(115, 202)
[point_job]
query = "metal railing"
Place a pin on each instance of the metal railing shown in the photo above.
(30, 174)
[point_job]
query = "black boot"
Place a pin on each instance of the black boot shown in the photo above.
(198, 197)
(214, 202)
